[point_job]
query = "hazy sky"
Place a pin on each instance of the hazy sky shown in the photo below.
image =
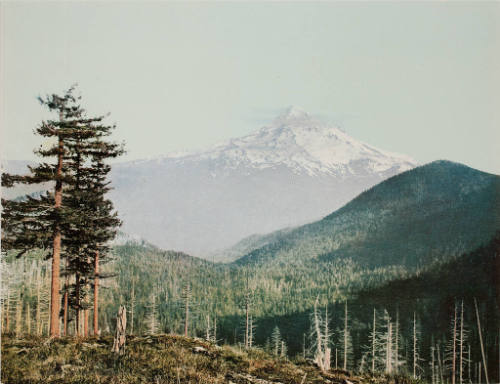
(421, 79)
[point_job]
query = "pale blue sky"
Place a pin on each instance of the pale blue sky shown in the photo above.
(416, 78)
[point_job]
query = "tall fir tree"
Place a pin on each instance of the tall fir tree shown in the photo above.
(25, 219)
(76, 220)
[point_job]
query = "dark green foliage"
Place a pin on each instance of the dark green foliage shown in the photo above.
(89, 221)
(414, 219)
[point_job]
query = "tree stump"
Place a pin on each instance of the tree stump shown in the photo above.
(326, 364)
(121, 325)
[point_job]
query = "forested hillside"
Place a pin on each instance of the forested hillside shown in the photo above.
(405, 254)
(422, 216)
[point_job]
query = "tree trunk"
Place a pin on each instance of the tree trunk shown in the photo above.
(19, 313)
(373, 341)
(319, 346)
(246, 321)
(65, 302)
(56, 254)
(481, 342)
(86, 323)
(7, 310)
(389, 348)
(132, 306)
(396, 342)
(304, 346)
(433, 366)
(38, 314)
(120, 335)
(77, 309)
(96, 294)
(215, 329)
(28, 319)
(65, 318)
(345, 336)
(440, 365)
(327, 362)
(461, 346)
(454, 357)
(414, 345)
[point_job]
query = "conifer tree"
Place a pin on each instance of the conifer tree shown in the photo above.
(76, 220)
(33, 223)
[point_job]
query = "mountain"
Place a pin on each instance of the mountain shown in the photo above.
(295, 170)
(414, 219)
(246, 245)
(406, 226)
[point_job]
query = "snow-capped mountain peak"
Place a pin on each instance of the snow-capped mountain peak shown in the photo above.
(306, 145)
(295, 169)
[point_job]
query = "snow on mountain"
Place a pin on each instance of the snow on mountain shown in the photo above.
(302, 143)
(294, 170)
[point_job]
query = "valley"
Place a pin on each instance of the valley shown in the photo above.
(390, 250)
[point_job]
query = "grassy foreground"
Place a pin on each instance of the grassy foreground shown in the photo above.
(153, 359)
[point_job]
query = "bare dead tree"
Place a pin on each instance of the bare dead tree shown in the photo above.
(388, 356)
(374, 333)
(251, 333)
(433, 366)
(440, 365)
(481, 343)
(454, 353)
(214, 335)
(28, 318)
(207, 329)
(326, 341)
(319, 338)
(120, 335)
(461, 344)
(345, 336)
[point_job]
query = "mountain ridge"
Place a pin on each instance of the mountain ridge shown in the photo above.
(442, 196)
